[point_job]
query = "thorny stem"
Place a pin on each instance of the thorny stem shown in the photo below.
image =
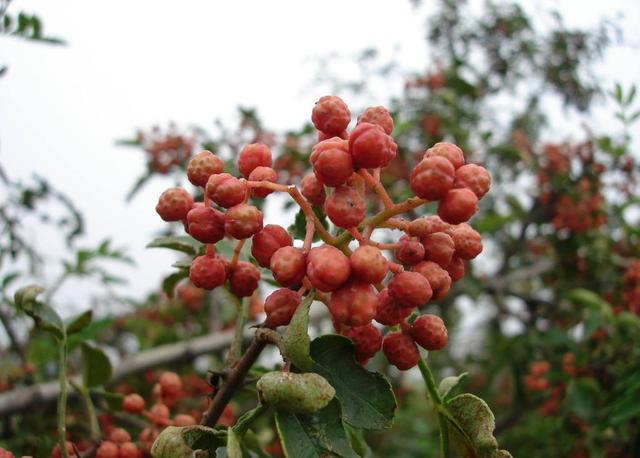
(434, 394)
(62, 397)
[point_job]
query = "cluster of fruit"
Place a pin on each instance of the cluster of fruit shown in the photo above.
(431, 254)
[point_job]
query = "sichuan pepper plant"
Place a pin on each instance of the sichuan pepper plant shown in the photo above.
(323, 391)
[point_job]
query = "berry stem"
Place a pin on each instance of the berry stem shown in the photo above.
(308, 236)
(434, 394)
(377, 187)
(235, 350)
(236, 253)
(378, 219)
(302, 203)
(211, 249)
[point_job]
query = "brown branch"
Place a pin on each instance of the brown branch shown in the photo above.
(232, 383)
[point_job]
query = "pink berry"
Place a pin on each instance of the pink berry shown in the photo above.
(370, 147)
(288, 265)
(331, 161)
(400, 350)
(437, 277)
(205, 224)
(474, 177)
(202, 166)
(243, 221)
(429, 332)
(280, 307)
(174, 204)
(449, 151)
(331, 115)
(458, 206)
(244, 279)
(439, 248)
(252, 156)
(267, 241)
(226, 190)
(353, 304)
(207, 272)
(377, 115)
(262, 173)
(432, 178)
(345, 207)
(368, 264)
(409, 289)
(327, 268)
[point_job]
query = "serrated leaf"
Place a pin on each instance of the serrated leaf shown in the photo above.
(295, 342)
(80, 322)
(170, 282)
(476, 420)
(316, 435)
(182, 243)
(449, 383)
(366, 398)
(96, 368)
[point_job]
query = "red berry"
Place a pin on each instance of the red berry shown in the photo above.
(119, 436)
(159, 413)
(439, 248)
(252, 156)
(280, 307)
(207, 272)
(205, 224)
(6, 453)
(133, 403)
(456, 269)
(432, 178)
(170, 384)
(354, 304)
(174, 204)
(367, 341)
(331, 115)
(426, 225)
(345, 207)
(107, 449)
(379, 116)
(331, 161)
(400, 350)
(449, 151)
(129, 450)
(55, 453)
(437, 277)
(458, 206)
(262, 173)
(474, 177)
(410, 289)
(288, 266)
(468, 241)
(368, 264)
(244, 279)
(327, 268)
(242, 221)
(184, 420)
(313, 189)
(388, 312)
(226, 190)
(409, 251)
(267, 241)
(429, 332)
(370, 147)
(202, 166)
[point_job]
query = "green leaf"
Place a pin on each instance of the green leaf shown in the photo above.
(199, 437)
(182, 243)
(170, 282)
(80, 322)
(449, 383)
(233, 444)
(96, 368)
(44, 316)
(366, 398)
(583, 397)
(114, 400)
(295, 342)
(477, 422)
(314, 436)
(299, 227)
(8, 279)
(356, 439)
(141, 181)
(588, 299)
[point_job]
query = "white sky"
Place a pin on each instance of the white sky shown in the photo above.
(134, 64)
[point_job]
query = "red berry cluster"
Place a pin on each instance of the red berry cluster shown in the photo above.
(165, 150)
(357, 286)
(631, 287)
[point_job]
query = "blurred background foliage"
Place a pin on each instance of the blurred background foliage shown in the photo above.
(547, 321)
